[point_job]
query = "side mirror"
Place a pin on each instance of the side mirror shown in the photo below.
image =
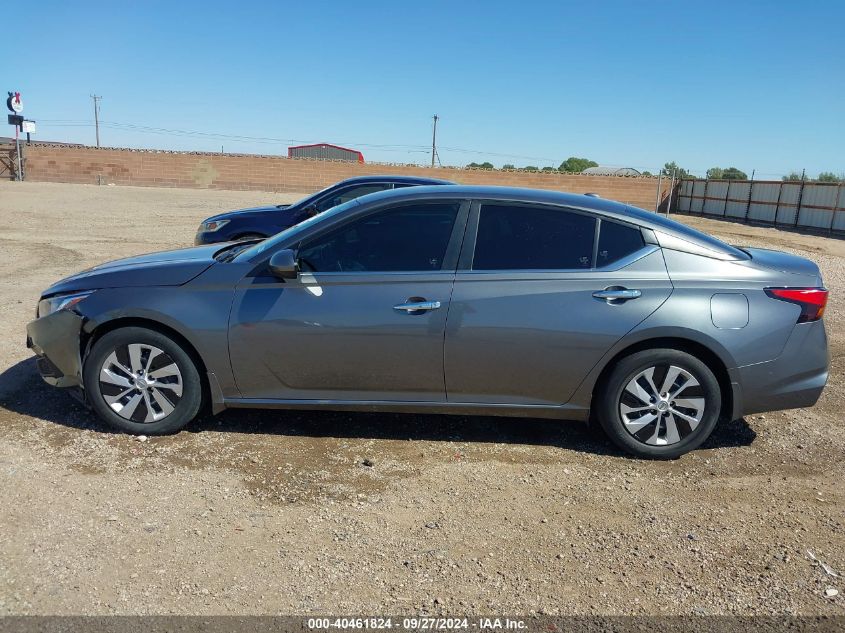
(283, 264)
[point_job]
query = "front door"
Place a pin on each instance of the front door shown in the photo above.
(364, 320)
(541, 297)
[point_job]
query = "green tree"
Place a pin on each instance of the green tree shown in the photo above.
(647, 173)
(729, 173)
(549, 169)
(829, 176)
(508, 166)
(575, 165)
(531, 168)
(679, 172)
(792, 176)
(484, 165)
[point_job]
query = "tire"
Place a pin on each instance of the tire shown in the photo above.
(116, 377)
(652, 425)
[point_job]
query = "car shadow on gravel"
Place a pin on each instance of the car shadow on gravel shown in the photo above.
(23, 392)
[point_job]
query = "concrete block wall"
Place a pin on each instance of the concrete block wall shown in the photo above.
(150, 168)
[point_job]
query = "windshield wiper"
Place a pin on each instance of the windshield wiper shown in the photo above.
(228, 253)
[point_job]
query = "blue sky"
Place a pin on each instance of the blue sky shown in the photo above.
(756, 85)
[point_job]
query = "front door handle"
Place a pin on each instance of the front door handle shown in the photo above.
(417, 306)
(616, 294)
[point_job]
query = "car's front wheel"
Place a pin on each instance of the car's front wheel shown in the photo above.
(659, 403)
(142, 382)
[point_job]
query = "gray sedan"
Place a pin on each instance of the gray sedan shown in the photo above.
(461, 300)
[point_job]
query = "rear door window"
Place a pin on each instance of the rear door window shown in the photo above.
(527, 237)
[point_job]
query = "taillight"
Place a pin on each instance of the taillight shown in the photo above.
(811, 300)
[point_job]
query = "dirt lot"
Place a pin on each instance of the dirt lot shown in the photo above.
(273, 512)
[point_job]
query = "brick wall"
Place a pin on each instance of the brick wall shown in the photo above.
(147, 168)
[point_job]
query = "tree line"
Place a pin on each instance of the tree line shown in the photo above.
(733, 173)
(575, 165)
(572, 165)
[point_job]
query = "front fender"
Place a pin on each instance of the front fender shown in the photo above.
(199, 314)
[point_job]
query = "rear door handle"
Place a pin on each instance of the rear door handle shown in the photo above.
(617, 295)
(417, 307)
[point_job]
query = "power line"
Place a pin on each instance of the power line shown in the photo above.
(263, 140)
(214, 135)
(271, 140)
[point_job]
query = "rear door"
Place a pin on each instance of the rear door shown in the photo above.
(541, 293)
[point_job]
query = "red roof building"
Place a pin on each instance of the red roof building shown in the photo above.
(325, 151)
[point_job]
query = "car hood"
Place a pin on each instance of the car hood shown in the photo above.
(246, 213)
(167, 268)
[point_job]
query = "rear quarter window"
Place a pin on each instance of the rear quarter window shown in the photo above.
(617, 241)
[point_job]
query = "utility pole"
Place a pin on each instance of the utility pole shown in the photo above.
(659, 181)
(434, 140)
(671, 191)
(800, 197)
(97, 117)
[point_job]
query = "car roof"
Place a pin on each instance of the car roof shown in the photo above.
(626, 213)
(415, 180)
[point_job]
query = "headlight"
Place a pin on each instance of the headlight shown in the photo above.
(213, 226)
(60, 302)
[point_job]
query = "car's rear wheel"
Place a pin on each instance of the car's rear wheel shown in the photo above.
(659, 403)
(142, 382)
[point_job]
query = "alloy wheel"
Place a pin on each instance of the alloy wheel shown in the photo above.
(141, 382)
(664, 415)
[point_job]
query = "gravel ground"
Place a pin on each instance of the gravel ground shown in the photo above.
(277, 513)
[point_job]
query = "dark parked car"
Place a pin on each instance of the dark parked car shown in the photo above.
(470, 300)
(262, 222)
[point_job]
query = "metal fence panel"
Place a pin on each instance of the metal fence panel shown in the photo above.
(763, 201)
(699, 191)
(839, 220)
(717, 191)
(737, 199)
(787, 208)
(690, 191)
(816, 196)
(685, 195)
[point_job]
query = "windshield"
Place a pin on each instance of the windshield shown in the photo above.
(270, 243)
(308, 200)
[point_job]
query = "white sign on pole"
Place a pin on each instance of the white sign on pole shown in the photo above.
(28, 127)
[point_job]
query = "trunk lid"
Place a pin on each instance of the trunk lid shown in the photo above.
(784, 262)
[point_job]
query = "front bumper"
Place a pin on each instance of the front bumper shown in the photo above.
(204, 237)
(55, 340)
(793, 380)
(210, 237)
